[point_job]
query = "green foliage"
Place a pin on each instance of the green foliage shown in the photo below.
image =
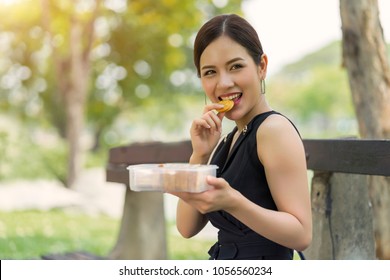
(3, 152)
(153, 46)
(139, 58)
(28, 156)
(328, 55)
(142, 50)
(325, 93)
(315, 89)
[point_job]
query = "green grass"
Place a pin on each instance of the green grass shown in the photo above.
(180, 248)
(32, 234)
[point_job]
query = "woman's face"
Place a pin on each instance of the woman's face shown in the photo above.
(228, 72)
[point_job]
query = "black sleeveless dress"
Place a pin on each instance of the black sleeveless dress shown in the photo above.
(243, 170)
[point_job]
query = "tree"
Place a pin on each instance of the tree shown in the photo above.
(81, 64)
(365, 58)
(73, 72)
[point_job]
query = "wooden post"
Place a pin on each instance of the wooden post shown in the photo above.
(342, 218)
(351, 220)
(321, 246)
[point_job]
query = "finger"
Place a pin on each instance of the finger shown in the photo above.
(212, 107)
(221, 115)
(201, 123)
(216, 182)
(212, 120)
(218, 120)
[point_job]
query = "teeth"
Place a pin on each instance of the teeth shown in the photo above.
(231, 97)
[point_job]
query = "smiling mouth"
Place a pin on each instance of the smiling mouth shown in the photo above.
(232, 97)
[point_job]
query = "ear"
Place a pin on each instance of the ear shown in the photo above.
(262, 67)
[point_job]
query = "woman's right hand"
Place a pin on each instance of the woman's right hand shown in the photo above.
(205, 133)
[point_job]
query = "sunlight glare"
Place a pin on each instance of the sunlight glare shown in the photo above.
(9, 2)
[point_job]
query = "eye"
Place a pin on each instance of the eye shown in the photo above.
(208, 73)
(237, 66)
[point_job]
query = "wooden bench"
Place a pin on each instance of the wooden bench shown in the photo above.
(340, 166)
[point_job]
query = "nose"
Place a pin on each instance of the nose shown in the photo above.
(225, 80)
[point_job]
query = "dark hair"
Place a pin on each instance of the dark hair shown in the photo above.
(233, 26)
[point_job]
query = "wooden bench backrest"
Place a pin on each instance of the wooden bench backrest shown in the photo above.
(370, 157)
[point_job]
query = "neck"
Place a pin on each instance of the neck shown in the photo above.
(260, 108)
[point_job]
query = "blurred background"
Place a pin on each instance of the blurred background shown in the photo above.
(78, 77)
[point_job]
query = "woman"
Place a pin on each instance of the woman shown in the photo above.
(260, 199)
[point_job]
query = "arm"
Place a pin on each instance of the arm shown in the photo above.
(281, 151)
(189, 221)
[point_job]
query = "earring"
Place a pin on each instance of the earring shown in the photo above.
(262, 86)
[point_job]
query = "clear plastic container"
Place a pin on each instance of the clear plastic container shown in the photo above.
(168, 177)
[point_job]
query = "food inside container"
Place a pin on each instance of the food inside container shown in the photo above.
(170, 177)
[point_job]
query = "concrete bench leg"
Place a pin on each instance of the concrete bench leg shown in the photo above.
(142, 234)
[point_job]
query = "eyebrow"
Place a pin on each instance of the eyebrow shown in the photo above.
(227, 63)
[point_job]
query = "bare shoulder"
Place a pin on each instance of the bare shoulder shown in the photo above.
(276, 125)
(278, 136)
